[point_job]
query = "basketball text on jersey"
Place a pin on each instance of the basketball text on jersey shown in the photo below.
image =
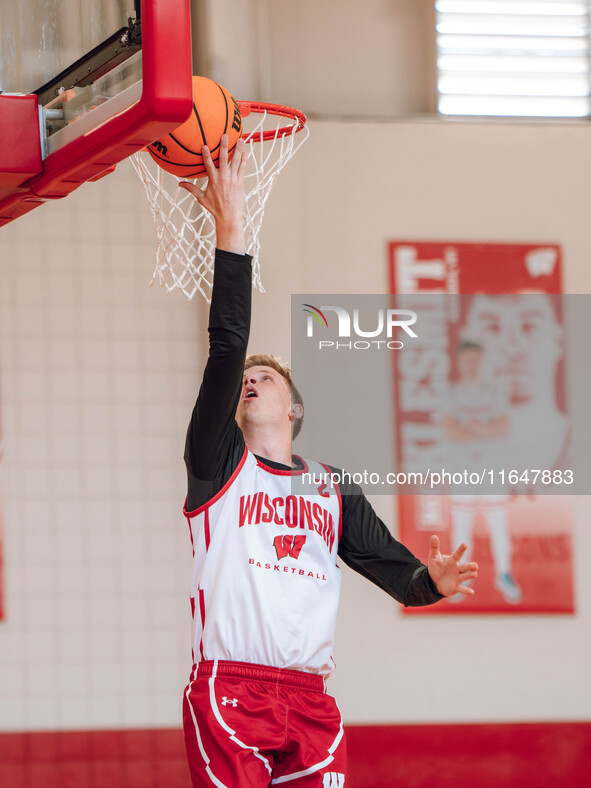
(294, 511)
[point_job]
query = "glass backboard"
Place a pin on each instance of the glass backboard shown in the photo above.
(109, 76)
(41, 38)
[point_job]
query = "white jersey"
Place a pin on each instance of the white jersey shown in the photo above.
(265, 587)
(481, 402)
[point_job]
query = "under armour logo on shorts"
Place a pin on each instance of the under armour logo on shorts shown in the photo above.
(232, 701)
(333, 780)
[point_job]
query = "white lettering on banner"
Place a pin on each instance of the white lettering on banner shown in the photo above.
(430, 514)
(541, 262)
(410, 270)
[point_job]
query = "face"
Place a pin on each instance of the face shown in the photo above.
(468, 362)
(522, 341)
(265, 399)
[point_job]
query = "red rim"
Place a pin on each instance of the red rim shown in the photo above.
(246, 107)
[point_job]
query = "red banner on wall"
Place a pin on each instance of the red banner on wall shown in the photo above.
(481, 373)
(1, 535)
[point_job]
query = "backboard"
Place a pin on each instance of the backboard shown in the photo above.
(83, 86)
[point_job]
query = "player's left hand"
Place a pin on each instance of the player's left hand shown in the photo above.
(447, 571)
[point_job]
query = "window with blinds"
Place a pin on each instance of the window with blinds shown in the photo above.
(513, 57)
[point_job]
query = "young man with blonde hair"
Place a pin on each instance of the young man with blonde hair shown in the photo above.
(265, 585)
(263, 360)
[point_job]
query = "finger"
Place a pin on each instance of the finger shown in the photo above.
(195, 190)
(210, 167)
(241, 156)
(460, 551)
(224, 152)
(434, 549)
(468, 576)
(467, 590)
(237, 157)
(239, 161)
(471, 567)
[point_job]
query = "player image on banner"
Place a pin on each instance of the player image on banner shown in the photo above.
(488, 393)
(475, 423)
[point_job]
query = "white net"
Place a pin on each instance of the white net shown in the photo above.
(185, 232)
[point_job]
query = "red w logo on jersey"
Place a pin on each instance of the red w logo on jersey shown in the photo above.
(288, 546)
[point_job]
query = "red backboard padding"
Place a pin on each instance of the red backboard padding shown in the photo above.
(165, 103)
(20, 150)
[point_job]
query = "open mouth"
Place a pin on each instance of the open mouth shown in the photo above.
(250, 393)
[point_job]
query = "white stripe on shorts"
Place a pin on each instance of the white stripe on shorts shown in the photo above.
(295, 775)
(219, 718)
(210, 774)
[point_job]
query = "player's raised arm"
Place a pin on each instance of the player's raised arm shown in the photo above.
(213, 439)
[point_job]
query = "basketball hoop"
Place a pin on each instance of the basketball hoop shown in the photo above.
(185, 232)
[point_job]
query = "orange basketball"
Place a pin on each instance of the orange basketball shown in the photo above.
(214, 113)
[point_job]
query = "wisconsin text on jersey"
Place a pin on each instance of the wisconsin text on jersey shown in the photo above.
(294, 511)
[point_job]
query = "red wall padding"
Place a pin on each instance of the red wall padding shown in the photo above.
(94, 759)
(536, 755)
(515, 755)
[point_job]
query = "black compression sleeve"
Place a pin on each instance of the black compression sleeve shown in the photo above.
(369, 548)
(214, 442)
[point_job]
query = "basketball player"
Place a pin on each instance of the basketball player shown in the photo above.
(266, 583)
(476, 425)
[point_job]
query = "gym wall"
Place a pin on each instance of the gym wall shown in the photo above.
(98, 374)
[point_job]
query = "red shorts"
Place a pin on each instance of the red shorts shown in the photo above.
(251, 725)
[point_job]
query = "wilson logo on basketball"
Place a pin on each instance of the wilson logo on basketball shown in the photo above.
(160, 148)
(288, 546)
(237, 119)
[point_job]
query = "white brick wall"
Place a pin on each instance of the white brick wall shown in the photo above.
(98, 374)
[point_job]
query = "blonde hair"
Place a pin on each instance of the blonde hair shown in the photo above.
(262, 360)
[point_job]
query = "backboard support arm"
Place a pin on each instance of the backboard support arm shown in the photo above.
(100, 60)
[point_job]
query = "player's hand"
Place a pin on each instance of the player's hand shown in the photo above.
(447, 571)
(223, 195)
